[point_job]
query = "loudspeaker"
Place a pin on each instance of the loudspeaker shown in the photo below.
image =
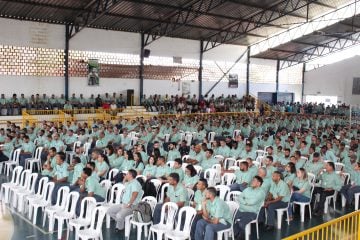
(129, 96)
(146, 53)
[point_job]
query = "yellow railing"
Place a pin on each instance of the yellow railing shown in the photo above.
(344, 228)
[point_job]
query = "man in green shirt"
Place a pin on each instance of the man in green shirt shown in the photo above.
(199, 197)
(330, 182)
(215, 217)
(250, 202)
(243, 177)
(89, 187)
(131, 196)
(278, 197)
(176, 193)
(173, 153)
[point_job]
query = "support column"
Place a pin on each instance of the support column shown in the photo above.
(277, 75)
(141, 69)
(248, 72)
(66, 61)
(303, 83)
(201, 67)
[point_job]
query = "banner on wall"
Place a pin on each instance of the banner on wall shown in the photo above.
(93, 72)
(186, 88)
(233, 81)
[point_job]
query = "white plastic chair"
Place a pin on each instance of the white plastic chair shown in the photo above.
(116, 193)
(95, 229)
(185, 158)
(198, 169)
(228, 162)
(303, 205)
(211, 137)
(339, 166)
(234, 206)
(223, 191)
(220, 158)
(233, 196)
(183, 166)
(5, 187)
(59, 205)
(105, 184)
(357, 196)
(30, 189)
(236, 133)
(311, 178)
(218, 169)
(112, 173)
(13, 162)
(260, 153)
(21, 186)
(87, 147)
(162, 193)
(248, 226)
(167, 137)
(140, 225)
(170, 164)
(228, 179)
(210, 175)
(88, 205)
(188, 219)
(157, 183)
(36, 160)
(33, 196)
(190, 194)
(280, 212)
(44, 201)
(166, 221)
(66, 214)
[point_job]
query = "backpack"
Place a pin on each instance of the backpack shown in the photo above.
(142, 212)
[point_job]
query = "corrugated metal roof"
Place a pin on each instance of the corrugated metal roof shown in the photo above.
(206, 19)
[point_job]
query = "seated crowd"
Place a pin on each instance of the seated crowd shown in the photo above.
(14, 104)
(270, 160)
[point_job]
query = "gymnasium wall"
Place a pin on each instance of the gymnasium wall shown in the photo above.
(41, 37)
(334, 80)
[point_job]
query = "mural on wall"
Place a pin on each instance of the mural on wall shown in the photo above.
(93, 72)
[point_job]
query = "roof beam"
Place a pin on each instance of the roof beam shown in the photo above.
(329, 47)
(179, 18)
(249, 4)
(41, 4)
(92, 12)
(299, 31)
(255, 21)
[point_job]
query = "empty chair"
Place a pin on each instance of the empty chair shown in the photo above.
(311, 178)
(15, 179)
(220, 158)
(35, 195)
(13, 162)
(217, 167)
(30, 189)
(44, 201)
(166, 220)
(88, 204)
(66, 214)
(21, 186)
(59, 205)
(234, 206)
(191, 193)
(95, 229)
(36, 160)
(182, 231)
(140, 225)
(105, 184)
(223, 191)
